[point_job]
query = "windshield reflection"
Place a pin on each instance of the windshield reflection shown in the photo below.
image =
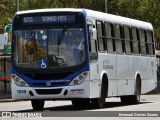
(49, 48)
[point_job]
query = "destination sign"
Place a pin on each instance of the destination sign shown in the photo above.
(48, 19)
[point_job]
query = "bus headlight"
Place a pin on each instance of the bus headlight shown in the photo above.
(18, 81)
(79, 79)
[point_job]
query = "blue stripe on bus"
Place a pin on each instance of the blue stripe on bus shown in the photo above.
(42, 83)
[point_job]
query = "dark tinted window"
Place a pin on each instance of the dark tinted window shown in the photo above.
(109, 37)
(127, 39)
(118, 39)
(100, 36)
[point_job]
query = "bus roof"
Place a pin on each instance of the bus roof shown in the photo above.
(50, 10)
(96, 15)
(118, 19)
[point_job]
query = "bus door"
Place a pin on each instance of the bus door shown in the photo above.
(93, 54)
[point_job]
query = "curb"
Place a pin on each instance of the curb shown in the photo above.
(5, 98)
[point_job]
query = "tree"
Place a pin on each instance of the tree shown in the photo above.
(145, 10)
(6, 12)
(149, 9)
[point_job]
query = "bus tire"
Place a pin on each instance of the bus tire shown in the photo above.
(99, 102)
(37, 104)
(133, 99)
(80, 102)
(125, 99)
(136, 97)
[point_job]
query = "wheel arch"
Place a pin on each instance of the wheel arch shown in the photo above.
(138, 75)
(104, 80)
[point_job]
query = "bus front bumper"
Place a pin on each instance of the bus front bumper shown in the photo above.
(88, 89)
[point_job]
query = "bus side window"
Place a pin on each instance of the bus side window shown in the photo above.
(150, 42)
(127, 39)
(118, 39)
(142, 41)
(138, 39)
(146, 43)
(92, 45)
(135, 41)
(100, 35)
(109, 37)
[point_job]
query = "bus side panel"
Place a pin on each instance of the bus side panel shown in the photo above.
(148, 85)
(94, 71)
(151, 83)
(95, 80)
(112, 88)
(95, 89)
(152, 68)
(125, 74)
(141, 65)
(125, 87)
(107, 62)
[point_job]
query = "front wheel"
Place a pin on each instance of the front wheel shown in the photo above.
(99, 102)
(80, 103)
(37, 104)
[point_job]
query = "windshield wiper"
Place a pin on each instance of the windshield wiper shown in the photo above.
(60, 39)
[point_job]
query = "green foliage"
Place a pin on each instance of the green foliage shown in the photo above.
(146, 10)
(6, 12)
(150, 12)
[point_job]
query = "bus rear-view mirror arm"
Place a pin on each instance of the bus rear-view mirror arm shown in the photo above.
(94, 34)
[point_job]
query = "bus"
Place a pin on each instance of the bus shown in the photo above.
(81, 55)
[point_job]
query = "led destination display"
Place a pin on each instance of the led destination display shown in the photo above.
(48, 19)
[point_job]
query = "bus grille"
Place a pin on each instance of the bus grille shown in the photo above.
(48, 76)
(48, 91)
(52, 84)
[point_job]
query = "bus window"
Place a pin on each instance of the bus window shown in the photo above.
(118, 39)
(142, 42)
(146, 43)
(127, 40)
(92, 45)
(150, 42)
(135, 41)
(109, 37)
(100, 36)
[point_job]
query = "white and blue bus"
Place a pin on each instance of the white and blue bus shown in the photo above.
(81, 55)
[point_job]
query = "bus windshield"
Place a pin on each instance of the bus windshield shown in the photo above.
(48, 48)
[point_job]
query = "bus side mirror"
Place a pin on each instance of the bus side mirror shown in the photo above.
(94, 34)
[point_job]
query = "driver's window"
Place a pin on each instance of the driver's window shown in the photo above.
(92, 45)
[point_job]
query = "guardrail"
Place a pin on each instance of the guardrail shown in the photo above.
(5, 76)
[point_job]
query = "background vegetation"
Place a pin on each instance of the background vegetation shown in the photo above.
(146, 10)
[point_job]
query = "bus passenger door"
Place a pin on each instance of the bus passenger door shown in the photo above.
(94, 68)
(93, 54)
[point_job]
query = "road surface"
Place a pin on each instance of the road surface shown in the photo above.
(64, 109)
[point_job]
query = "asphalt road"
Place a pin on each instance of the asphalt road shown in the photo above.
(63, 109)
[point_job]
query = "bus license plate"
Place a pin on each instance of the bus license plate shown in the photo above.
(77, 91)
